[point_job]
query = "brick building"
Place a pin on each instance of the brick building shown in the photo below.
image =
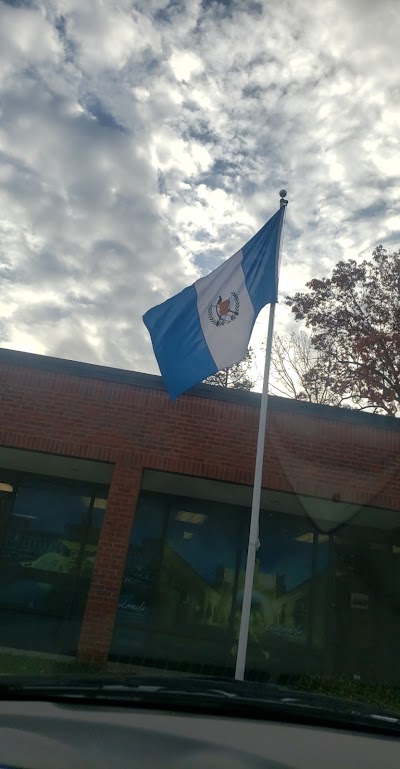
(124, 522)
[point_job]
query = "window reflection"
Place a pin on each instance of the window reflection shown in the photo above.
(367, 608)
(187, 613)
(49, 530)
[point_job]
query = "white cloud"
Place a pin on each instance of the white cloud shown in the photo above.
(185, 64)
(107, 34)
(142, 143)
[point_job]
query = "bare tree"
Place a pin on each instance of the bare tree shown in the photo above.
(237, 376)
(300, 371)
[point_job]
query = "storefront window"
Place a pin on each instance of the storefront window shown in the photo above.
(49, 531)
(367, 604)
(199, 581)
(178, 600)
(138, 592)
(182, 593)
(282, 589)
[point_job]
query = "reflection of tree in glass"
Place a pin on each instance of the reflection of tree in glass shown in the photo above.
(64, 557)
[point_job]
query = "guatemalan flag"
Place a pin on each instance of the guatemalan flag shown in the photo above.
(207, 326)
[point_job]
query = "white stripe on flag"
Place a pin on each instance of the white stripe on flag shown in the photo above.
(227, 335)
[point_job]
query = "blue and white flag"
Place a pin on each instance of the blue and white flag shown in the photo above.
(207, 326)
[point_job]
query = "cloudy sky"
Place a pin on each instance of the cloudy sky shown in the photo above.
(144, 141)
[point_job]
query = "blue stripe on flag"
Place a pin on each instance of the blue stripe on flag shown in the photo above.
(260, 263)
(179, 343)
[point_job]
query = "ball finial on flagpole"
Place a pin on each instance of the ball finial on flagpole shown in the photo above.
(283, 202)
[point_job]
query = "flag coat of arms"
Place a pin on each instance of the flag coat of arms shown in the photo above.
(207, 326)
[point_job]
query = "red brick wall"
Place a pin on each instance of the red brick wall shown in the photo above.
(98, 621)
(136, 427)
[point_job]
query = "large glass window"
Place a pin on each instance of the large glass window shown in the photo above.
(178, 599)
(137, 602)
(49, 530)
(367, 602)
(182, 593)
(281, 612)
(199, 581)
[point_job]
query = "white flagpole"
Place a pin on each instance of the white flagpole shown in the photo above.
(255, 508)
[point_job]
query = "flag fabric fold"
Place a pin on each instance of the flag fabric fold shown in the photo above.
(207, 326)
